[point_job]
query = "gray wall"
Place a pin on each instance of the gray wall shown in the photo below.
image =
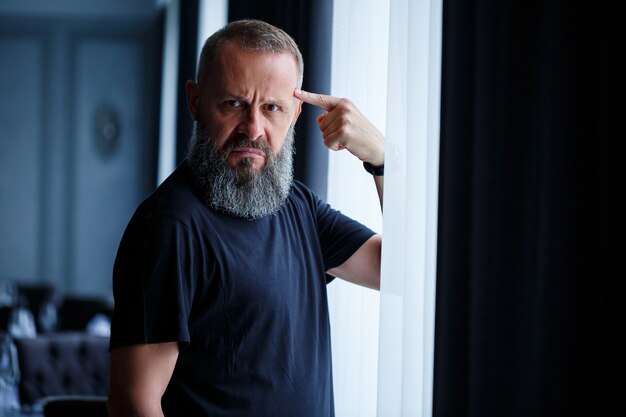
(78, 135)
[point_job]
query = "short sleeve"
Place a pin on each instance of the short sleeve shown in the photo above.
(152, 283)
(339, 235)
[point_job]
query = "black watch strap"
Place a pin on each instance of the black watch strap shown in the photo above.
(378, 171)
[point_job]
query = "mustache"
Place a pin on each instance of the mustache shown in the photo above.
(242, 141)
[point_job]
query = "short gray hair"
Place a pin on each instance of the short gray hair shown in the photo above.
(253, 35)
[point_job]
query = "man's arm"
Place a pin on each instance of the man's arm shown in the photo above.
(379, 180)
(139, 376)
(343, 126)
(363, 267)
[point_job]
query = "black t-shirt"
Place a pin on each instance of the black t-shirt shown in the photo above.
(246, 300)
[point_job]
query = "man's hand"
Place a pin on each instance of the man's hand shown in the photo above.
(343, 126)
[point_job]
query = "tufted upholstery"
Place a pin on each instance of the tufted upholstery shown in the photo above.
(62, 364)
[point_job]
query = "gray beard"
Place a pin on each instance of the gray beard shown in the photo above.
(241, 191)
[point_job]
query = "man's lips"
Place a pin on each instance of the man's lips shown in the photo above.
(248, 152)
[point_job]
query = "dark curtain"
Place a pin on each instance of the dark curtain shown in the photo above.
(187, 44)
(310, 24)
(526, 278)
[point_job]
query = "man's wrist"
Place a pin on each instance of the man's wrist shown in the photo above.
(376, 170)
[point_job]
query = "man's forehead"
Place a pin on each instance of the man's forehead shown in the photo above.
(228, 53)
(239, 71)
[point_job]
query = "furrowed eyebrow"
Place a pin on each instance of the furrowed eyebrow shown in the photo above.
(279, 102)
(285, 104)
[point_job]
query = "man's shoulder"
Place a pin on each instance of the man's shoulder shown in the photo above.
(175, 198)
(301, 192)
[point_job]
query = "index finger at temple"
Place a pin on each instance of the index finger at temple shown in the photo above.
(320, 100)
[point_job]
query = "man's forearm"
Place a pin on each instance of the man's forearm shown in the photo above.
(379, 181)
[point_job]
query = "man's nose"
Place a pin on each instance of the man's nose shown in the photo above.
(252, 124)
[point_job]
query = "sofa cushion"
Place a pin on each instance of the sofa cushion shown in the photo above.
(73, 363)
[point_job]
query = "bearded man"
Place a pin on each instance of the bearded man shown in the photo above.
(220, 278)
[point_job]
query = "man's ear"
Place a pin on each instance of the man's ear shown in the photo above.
(297, 113)
(193, 98)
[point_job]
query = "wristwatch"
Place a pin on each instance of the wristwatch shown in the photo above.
(377, 171)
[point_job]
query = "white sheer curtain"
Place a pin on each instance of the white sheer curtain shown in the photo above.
(387, 59)
(359, 72)
(407, 319)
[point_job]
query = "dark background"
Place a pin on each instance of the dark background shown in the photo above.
(526, 317)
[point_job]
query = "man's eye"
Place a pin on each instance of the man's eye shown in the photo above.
(273, 108)
(234, 103)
